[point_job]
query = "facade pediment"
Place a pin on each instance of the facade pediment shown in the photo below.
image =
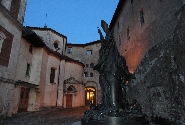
(72, 80)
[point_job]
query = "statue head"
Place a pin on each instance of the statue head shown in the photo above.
(104, 26)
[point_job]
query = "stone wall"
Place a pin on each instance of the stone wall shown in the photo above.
(9, 57)
(134, 37)
(6, 97)
(159, 84)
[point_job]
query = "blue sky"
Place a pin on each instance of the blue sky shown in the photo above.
(76, 19)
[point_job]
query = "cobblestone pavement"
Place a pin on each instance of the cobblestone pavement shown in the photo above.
(56, 116)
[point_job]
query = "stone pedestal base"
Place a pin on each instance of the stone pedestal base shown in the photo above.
(1, 118)
(115, 121)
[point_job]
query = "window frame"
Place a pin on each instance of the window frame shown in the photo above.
(28, 69)
(86, 74)
(2, 38)
(91, 74)
(52, 75)
(69, 50)
(87, 52)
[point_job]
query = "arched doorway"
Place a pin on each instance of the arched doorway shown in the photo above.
(90, 95)
(69, 96)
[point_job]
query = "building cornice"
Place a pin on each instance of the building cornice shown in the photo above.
(84, 45)
(116, 13)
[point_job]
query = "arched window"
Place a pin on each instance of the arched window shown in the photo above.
(56, 45)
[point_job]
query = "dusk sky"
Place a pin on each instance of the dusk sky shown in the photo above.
(76, 19)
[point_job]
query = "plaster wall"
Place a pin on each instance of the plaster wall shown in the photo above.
(43, 76)
(79, 53)
(73, 70)
(50, 37)
(36, 66)
(8, 74)
(61, 82)
(50, 96)
(24, 57)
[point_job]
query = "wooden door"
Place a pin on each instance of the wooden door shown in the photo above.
(69, 98)
(24, 96)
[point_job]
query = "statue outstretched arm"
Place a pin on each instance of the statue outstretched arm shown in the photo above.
(101, 35)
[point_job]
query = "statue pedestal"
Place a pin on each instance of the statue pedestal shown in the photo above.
(116, 121)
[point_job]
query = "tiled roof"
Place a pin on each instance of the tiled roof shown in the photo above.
(36, 41)
(45, 28)
(32, 38)
(83, 45)
(64, 57)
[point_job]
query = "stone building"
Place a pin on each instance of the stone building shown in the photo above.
(34, 72)
(150, 35)
(88, 54)
(44, 76)
(11, 18)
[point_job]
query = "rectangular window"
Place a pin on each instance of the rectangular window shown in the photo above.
(28, 69)
(52, 75)
(87, 65)
(142, 20)
(31, 48)
(119, 39)
(91, 74)
(89, 52)
(69, 50)
(128, 33)
(85, 74)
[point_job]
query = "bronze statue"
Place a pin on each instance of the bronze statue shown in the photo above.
(113, 71)
(114, 108)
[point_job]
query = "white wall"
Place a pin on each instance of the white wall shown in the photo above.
(50, 96)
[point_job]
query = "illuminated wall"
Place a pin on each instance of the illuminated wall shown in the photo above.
(142, 24)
